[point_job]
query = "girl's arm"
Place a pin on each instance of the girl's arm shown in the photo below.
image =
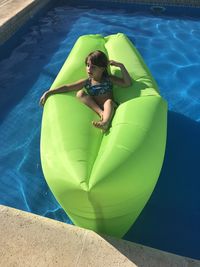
(125, 81)
(63, 89)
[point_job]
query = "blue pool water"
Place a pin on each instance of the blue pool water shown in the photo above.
(170, 47)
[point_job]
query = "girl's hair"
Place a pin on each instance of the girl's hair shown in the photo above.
(98, 58)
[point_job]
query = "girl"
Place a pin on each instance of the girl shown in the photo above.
(98, 87)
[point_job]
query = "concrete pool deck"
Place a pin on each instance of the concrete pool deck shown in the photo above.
(32, 240)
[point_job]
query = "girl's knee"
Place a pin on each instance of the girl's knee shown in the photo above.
(109, 102)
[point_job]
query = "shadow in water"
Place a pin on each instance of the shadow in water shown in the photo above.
(171, 219)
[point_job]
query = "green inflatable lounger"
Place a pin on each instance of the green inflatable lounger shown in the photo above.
(103, 181)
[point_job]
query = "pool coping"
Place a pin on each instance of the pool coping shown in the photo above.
(15, 13)
(32, 240)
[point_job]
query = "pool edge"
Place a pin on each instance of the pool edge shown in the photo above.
(15, 14)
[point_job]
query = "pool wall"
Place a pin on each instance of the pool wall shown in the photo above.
(158, 7)
(13, 14)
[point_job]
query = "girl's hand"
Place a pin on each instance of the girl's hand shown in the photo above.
(44, 98)
(115, 63)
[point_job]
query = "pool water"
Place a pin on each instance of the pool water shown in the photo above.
(170, 48)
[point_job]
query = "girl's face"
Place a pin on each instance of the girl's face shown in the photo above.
(94, 71)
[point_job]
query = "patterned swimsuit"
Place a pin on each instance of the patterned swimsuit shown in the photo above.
(98, 89)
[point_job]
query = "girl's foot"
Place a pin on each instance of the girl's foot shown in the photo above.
(101, 125)
(104, 125)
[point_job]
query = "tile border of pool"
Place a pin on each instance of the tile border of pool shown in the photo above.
(31, 240)
(184, 3)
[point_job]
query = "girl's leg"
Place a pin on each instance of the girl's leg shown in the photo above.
(109, 107)
(89, 101)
